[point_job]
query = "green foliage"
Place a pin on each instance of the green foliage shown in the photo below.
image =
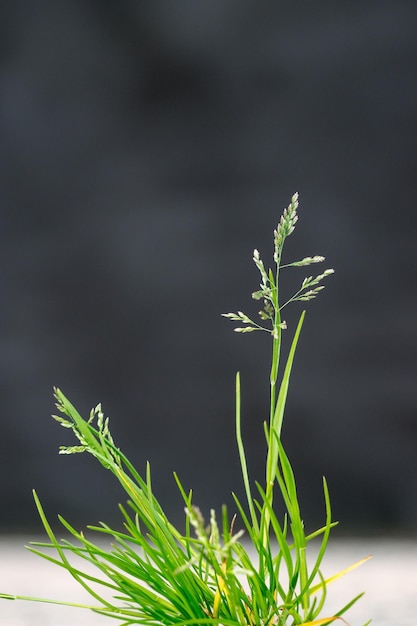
(155, 574)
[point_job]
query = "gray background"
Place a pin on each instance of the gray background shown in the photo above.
(146, 149)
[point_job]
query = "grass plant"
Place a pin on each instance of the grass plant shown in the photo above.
(247, 569)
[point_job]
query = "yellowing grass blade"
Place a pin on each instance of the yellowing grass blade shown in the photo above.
(221, 587)
(323, 620)
(339, 575)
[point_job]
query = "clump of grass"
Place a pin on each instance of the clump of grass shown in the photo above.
(250, 569)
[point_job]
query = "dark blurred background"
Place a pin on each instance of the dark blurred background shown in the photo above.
(146, 149)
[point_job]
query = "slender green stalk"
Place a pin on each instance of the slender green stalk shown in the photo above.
(156, 575)
(242, 457)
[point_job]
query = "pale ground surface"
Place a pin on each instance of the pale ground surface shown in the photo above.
(389, 579)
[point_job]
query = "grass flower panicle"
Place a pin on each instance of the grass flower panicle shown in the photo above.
(157, 575)
(285, 227)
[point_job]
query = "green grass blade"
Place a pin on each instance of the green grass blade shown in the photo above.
(242, 457)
